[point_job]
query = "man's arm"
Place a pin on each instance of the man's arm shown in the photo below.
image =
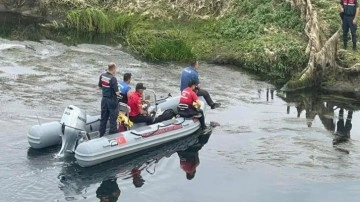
(141, 110)
(128, 93)
(341, 7)
(195, 77)
(196, 98)
(99, 84)
(356, 13)
(114, 85)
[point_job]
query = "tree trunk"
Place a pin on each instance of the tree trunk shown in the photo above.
(322, 69)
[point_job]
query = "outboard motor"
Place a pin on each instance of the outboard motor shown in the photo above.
(73, 124)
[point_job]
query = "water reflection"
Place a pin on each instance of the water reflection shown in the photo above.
(108, 191)
(329, 109)
(135, 173)
(343, 129)
(189, 159)
(74, 180)
(271, 93)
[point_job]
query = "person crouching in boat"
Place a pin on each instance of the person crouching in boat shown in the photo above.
(186, 106)
(137, 113)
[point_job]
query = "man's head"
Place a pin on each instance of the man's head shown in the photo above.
(191, 175)
(108, 191)
(138, 181)
(140, 87)
(127, 77)
(112, 68)
(192, 84)
(194, 64)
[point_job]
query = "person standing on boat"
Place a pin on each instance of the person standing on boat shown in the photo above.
(349, 11)
(137, 113)
(186, 106)
(109, 85)
(190, 73)
(124, 87)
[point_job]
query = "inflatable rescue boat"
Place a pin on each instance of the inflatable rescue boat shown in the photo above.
(78, 132)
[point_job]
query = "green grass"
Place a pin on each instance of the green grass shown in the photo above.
(262, 36)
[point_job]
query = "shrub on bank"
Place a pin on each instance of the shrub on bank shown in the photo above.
(263, 36)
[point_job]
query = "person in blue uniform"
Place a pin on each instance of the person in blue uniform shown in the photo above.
(124, 87)
(349, 11)
(109, 86)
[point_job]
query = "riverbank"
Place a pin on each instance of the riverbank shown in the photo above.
(265, 37)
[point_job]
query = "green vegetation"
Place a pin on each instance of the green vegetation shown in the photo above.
(262, 36)
(328, 14)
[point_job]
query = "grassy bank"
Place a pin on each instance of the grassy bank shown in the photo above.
(263, 36)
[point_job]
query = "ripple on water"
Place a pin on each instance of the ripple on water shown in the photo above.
(257, 133)
(5, 46)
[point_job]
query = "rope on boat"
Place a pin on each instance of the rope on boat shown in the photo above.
(137, 134)
(93, 121)
(140, 135)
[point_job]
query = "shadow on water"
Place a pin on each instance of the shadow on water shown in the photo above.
(75, 179)
(330, 109)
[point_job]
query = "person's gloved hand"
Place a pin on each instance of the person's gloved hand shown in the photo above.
(341, 15)
(119, 98)
(196, 105)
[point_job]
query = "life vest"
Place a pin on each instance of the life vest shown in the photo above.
(350, 7)
(105, 84)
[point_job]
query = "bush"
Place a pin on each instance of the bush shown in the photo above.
(159, 45)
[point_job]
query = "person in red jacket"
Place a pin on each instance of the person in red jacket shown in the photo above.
(137, 114)
(186, 107)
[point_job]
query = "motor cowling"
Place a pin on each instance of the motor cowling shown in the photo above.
(74, 117)
(73, 122)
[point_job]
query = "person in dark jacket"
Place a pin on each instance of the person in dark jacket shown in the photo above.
(349, 10)
(190, 73)
(109, 86)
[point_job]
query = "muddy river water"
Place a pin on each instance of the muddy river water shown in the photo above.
(270, 146)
